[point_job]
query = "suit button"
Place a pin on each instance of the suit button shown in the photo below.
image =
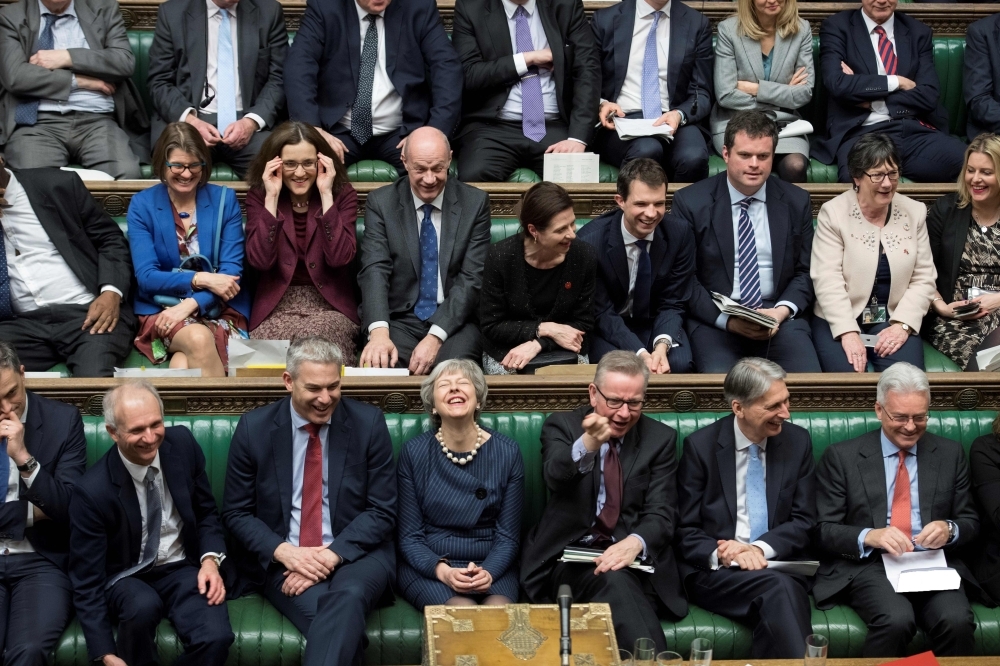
(312, 264)
(481, 493)
(6, 551)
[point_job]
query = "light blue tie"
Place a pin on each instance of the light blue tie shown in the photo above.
(749, 269)
(225, 76)
(651, 104)
(427, 301)
(756, 494)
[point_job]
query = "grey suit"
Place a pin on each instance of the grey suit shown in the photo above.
(88, 138)
(738, 58)
(390, 267)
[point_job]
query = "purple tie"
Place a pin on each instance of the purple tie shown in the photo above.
(532, 110)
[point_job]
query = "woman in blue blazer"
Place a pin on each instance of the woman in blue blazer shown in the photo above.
(187, 316)
(461, 488)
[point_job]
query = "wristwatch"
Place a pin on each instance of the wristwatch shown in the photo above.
(952, 531)
(905, 327)
(29, 466)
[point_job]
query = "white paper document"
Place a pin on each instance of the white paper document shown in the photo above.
(43, 375)
(989, 359)
(587, 555)
(803, 568)
(920, 571)
(572, 168)
(631, 128)
(256, 353)
(150, 373)
(796, 128)
(376, 372)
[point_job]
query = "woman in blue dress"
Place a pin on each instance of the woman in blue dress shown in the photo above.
(461, 488)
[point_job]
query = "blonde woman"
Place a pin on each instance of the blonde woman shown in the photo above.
(763, 62)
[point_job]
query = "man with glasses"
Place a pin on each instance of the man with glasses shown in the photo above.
(610, 472)
(891, 491)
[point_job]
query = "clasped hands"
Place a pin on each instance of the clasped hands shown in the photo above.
(236, 135)
(564, 335)
(753, 331)
(609, 110)
(470, 579)
(748, 556)
(53, 59)
(305, 566)
(891, 539)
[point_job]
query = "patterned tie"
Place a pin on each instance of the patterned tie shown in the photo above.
(225, 78)
(885, 52)
(154, 506)
(607, 519)
(361, 112)
(311, 519)
(26, 113)
(427, 300)
(532, 108)
(651, 103)
(756, 494)
(6, 307)
(749, 270)
(643, 282)
(901, 499)
(4, 470)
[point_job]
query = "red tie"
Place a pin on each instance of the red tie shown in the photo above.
(311, 520)
(607, 520)
(901, 499)
(885, 52)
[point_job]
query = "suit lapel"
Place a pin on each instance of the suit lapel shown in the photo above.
(281, 447)
(163, 229)
(775, 476)
(338, 439)
(51, 219)
(901, 35)
(863, 44)
(129, 501)
(751, 50)
(777, 222)
(392, 31)
(174, 476)
(408, 224)
(679, 31)
(927, 476)
(616, 251)
(722, 222)
(496, 28)
(196, 36)
(555, 40)
(86, 19)
(630, 451)
(246, 23)
(451, 218)
(623, 26)
(725, 457)
(871, 467)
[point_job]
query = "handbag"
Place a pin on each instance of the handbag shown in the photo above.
(189, 265)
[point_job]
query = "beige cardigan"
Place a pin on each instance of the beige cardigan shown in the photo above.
(845, 260)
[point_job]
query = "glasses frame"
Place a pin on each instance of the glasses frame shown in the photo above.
(883, 176)
(194, 167)
(314, 167)
(918, 419)
(632, 406)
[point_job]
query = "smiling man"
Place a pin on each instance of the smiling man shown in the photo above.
(311, 498)
(747, 497)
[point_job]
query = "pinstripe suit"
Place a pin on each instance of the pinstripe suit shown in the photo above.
(466, 514)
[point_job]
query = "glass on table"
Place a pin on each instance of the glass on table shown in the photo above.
(644, 652)
(701, 652)
(625, 658)
(669, 659)
(816, 648)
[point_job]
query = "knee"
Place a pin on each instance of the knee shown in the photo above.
(898, 623)
(644, 147)
(217, 640)
(32, 651)
(142, 612)
(956, 622)
(199, 340)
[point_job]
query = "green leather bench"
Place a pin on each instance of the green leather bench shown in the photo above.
(265, 638)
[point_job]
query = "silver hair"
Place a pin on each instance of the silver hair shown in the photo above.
(750, 379)
(9, 359)
(311, 349)
(623, 362)
(113, 397)
(464, 367)
(902, 377)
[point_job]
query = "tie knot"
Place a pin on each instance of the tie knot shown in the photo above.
(52, 18)
(313, 429)
(879, 30)
(372, 18)
(520, 12)
(150, 474)
(755, 451)
(902, 456)
(642, 244)
(656, 17)
(428, 209)
(745, 204)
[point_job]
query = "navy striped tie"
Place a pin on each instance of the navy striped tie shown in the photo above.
(749, 270)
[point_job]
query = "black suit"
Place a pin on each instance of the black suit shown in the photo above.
(982, 68)
(96, 250)
(851, 496)
(707, 207)
(107, 529)
(491, 148)
(671, 257)
(689, 83)
(178, 60)
(928, 154)
(362, 506)
(776, 604)
(649, 508)
(984, 556)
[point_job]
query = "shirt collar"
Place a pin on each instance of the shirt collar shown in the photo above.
(735, 196)
(362, 12)
(24, 416)
(642, 9)
(890, 449)
(70, 11)
(214, 9)
(438, 202)
(742, 441)
(510, 7)
(871, 25)
(138, 472)
(298, 422)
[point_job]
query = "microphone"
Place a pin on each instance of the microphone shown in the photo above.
(565, 600)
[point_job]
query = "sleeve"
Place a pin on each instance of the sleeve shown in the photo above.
(799, 289)
(87, 567)
(262, 232)
(727, 74)
(445, 74)
(410, 528)
(657, 519)
(963, 510)
(339, 226)
(506, 538)
(916, 300)
(271, 98)
(376, 265)
(114, 266)
(495, 316)
(153, 278)
(791, 538)
(167, 99)
(827, 271)
(232, 246)
(978, 82)
(698, 104)
(923, 97)
(586, 73)
(832, 536)
(559, 469)
(849, 89)
(669, 302)
(786, 96)
(302, 67)
(694, 545)
(210, 538)
(51, 492)
(480, 74)
(984, 457)
(114, 61)
(19, 77)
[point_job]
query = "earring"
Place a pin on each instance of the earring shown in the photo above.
(534, 239)
(434, 412)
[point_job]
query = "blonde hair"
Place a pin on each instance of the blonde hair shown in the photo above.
(749, 25)
(987, 144)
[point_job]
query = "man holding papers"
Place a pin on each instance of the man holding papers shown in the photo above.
(893, 491)
(746, 500)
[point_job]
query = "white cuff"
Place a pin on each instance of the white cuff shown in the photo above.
(221, 556)
(73, 85)
(257, 119)
(721, 321)
(377, 324)
(520, 65)
(713, 560)
(577, 140)
(30, 520)
(642, 555)
(769, 553)
(893, 82)
(438, 332)
(31, 479)
(109, 287)
(669, 340)
(584, 458)
(187, 111)
(791, 306)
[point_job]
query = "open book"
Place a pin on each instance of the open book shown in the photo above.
(734, 309)
(576, 554)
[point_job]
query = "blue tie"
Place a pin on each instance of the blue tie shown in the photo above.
(361, 112)
(225, 76)
(749, 270)
(26, 113)
(756, 494)
(427, 301)
(651, 103)
(6, 309)
(643, 282)
(4, 470)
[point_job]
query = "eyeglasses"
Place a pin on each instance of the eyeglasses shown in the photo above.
(177, 168)
(292, 167)
(901, 419)
(879, 177)
(616, 403)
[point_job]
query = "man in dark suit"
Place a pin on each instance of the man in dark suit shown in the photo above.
(66, 93)
(677, 57)
(146, 542)
(230, 89)
(878, 67)
(981, 82)
(311, 498)
(645, 264)
(747, 498)
(531, 84)
(426, 239)
(46, 455)
(65, 275)
(893, 491)
(753, 236)
(366, 73)
(610, 472)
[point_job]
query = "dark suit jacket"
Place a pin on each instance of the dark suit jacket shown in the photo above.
(106, 527)
(671, 254)
(844, 38)
(689, 66)
(649, 503)
(321, 73)
(707, 493)
(984, 556)
(982, 68)
(851, 496)
(482, 39)
(178, 59)
(948, 228)
(257, 505)
(390, 254)
(707, 208)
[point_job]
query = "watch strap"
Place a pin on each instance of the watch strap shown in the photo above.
(28, 466)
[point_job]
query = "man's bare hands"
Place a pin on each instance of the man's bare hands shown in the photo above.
(52, 59)
(311, 563)
(747, 556)
(671, 118)
(12, 428)
(891, 540)
(596, 431)
(295, 584)
(933, 536)
(748, 329)
(380, 352)
(566, 146)
(607, 111)
(336, 144)
(424, 354)
(102, 315)
(238, 134)
(210, 582)
(97, 85)
(113, 660)
(539, 58)
(657, 361)
(209, 133)
(618, 556)
(905, 83)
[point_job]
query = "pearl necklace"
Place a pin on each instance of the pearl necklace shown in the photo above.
(457, 459)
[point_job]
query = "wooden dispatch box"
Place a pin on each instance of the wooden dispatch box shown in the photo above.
(517, 634)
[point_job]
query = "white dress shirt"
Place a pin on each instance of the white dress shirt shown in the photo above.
(7, 546)
(212, 65)
(632, 255)
(742, 515)
(39, 276)
(171, 546)
(630, 98)
(300, 442)
(880, 112)
(387, 105)
(67, 34)
(418, 205)
(550, 103)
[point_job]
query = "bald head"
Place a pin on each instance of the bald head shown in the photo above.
(133, 416)
(427, 155)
